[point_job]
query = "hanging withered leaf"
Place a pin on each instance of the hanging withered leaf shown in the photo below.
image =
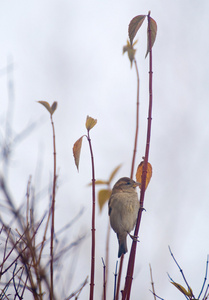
(90, 123)
(77, 151)
(153, 28)
(131, 51)
(134, 26)
(51, 109)
(103, 197)
(112, 175)
(188, 293)
(140, 171)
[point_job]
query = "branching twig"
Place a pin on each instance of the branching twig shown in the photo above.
(182, 273)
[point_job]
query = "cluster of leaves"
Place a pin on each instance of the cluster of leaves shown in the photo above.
(133, 28)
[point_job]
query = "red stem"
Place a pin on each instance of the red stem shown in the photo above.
(129, 275)
(52, 221)
(91, 296)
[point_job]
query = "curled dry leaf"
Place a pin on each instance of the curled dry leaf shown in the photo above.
(153, 28)
(140, 171)
(134, 26)
(53, 107)
(77, 151)
(131, 51)
(188, 293)
(90, 123)
(103, 197)
(46, 105)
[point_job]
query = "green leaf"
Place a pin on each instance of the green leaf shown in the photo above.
(134, 26)
(77, 151)
(153, 28)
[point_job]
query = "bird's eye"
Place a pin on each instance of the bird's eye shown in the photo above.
(128, 183)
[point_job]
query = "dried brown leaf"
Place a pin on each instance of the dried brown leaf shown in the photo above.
(90, 123)
(53, 107)
(103, 197)
(46, 105)
(134, 26)
(140, 171)
(100, 182)
(182, 289)
(77, 151)
(153, 28)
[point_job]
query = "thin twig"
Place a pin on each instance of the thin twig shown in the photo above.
(181, 271)
(91, 295)
(53, 216)
(116, 274)
(206, 274)
(119, 277)
(152, 283)
(137, 122)
(104, 280)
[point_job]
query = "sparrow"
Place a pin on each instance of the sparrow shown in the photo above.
(123, 210)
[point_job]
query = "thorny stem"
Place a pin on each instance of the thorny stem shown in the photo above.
(53, 213)
(129, 274)
(91, 296)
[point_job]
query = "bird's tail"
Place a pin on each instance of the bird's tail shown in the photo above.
(122, 247)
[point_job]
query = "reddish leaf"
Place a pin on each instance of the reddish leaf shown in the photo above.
(140, 171)
(77, 151)
(153, 28)
(134, 26)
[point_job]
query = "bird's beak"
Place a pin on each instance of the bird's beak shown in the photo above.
(137, 184)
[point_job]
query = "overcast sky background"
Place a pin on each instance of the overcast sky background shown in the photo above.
(71, 52)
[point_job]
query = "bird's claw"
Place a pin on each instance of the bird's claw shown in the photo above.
(134, 238)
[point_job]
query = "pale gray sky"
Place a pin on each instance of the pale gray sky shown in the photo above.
(71, 52)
